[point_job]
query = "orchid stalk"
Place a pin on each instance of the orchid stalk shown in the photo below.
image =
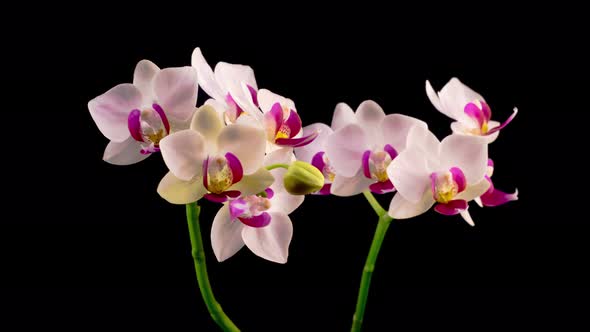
(382, 226)
(193, 211)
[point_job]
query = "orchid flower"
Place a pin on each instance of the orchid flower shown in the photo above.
(493, 196)
(315, 154)
(470, 111)
(259, 221)
(448, 173)
(136, 117)
(213, 161)
(232, 87)
(363, 145)
(281, 122)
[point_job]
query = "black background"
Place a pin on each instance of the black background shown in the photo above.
(86, 245)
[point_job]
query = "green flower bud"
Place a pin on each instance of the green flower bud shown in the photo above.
(302, 178)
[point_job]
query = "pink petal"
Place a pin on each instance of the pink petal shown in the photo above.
(451, 208)
(184, 153)
(270, 242)
(111, 110)
(123, 153)
(345, 147)
(143, 78)
(176, 92)
(226, 235)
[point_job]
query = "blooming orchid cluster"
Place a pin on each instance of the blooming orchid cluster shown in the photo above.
(246, 149)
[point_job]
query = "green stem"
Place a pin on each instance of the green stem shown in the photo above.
(192, 215)
(382, 226)
(374, 204)
(273, 166)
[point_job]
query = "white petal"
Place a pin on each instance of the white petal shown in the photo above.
(343, 186)
(409, 174)
(226, 235)
(254, 183)
(124, 153)
(184, 153)
(177, 191)
(282, 200)
(424, 140)
(306, 153)
(460, 128)
(473, 191)
(467, 217)
(401, 208)
(247, 143)
(279, 156)
(267, 98)
(478, 201)
(369, 116)
(219, 107)
(232, 78)
(143, 78)
(454, 96)
(207, 122)
(433, 96)
(345, 148)
(270, 242)
(206, 77)
(111, 110)
(247, 119)
(343, 116)
(176, 92)
(395, 129)
(469, 153)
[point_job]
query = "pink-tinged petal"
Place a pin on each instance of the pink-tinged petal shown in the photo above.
(279, 156)
(226, 235)
(451, 208)
(369, 116)
(318, 161)
(282, 200)
(409, 174)
(235, 166)
(475, 190)
(401, 208)
(469, 153)
(176, 92)
(234, 110)
(253, 94)
(365, 164)
(184, 153)
(134, 125)
(382, 187)
(345, 147)
(467, 217)
(307, 152)
(246, 143)
(269, 193)
(396, 127)
(237, 207)
(459, 178)
(216, 198)
(177, 191)
(110, 110)
(343, 116)
(475, 113)
(266, 100)
(207, 122)
(495, 197)
(490, 163)
(205, 75)
(143, 78)
(325, 190)
(162, 116)
(261, 220)
(350, 186)
(297, 142)
(454, 96)
(270, 242)
(505, 123)
(234, 78)
(123, 153)
(273, 120)
(206, 173)
(390, 151)
(485, 109)
(422, 139)
(469, 128)
(293, 122)
(254, 183)
(433, 97)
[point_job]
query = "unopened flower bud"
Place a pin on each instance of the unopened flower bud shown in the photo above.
(303, 178)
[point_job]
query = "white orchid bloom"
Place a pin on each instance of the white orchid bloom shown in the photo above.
(213, 161)
(232, 88)
(470, 111)
(449, 173)
(363, 145)
(136, 117)
(259, 221)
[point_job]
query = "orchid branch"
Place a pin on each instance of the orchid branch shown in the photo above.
(382, 226)
(192, 215)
